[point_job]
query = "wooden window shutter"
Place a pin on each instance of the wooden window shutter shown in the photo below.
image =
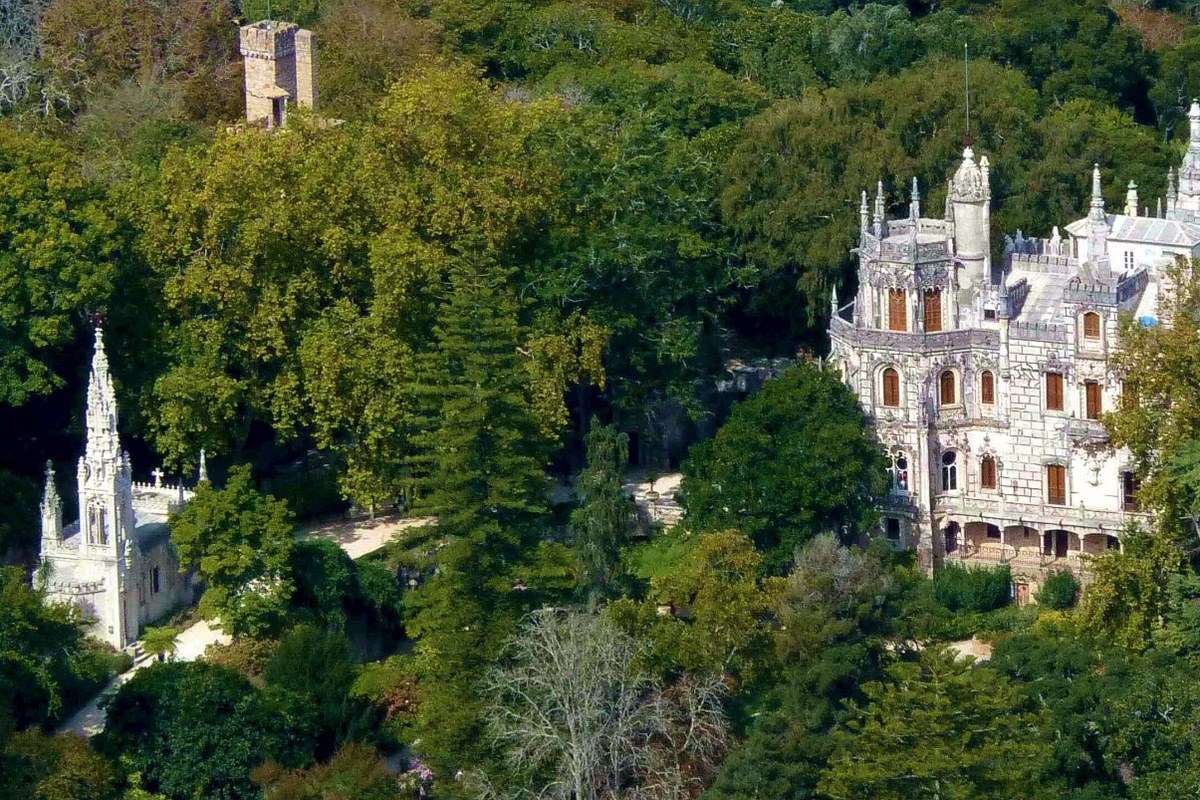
(1056, 485)
(987, 387)
(933, 310)
(946, 388)
(891, 387)
(1054, 391)
(1094, 399)
(987, 472)
(897, 310)
(1091, 325)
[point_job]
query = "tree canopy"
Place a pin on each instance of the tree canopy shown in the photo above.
(795, 460)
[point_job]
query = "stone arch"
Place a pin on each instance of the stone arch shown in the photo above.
(1059, 542)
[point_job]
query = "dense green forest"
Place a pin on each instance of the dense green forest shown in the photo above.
(524, 256)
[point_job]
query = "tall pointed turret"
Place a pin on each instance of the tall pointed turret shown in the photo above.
(1131, 200)
(51, 510)
(970, 196)
(1098, 228)
(878, 220)
(914, 205)
(1096, 204)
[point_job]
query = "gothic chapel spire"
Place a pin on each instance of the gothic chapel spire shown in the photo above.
(105, 487)
(103, 442)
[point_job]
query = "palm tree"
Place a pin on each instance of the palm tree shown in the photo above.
(160, 642)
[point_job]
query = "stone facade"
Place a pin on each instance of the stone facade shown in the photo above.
(986, 382)
(280, 67)
(116, 563)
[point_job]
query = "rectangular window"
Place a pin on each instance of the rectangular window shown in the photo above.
(1129, 260)
(989, 314)
(1056, 485)
(1129, 491)
(1054, 391)
(1091, 325)
(1094, 398)
(933, 310)
(897, 310)
(987, 388)
(154, 581)
(893, 529)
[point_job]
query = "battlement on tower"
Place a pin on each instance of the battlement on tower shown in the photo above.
(268, 39)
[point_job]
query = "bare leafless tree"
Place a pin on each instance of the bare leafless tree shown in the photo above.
(18, 48)
(575, 713)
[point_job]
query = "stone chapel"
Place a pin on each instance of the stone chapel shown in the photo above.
(987, 382)
(116, 563)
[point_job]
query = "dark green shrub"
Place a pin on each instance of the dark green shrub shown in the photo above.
(197, 730)
(1059, 591)
(972, 589)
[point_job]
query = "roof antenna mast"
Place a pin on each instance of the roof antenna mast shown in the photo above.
(967, 90)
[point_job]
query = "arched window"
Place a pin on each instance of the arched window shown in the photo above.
(987, 387)
(987, 472)
(891, 387)
(897, 310)
(949, 471)
(946, 387)
(900, 473)
(97, 524)
(933, 310)
(1091, 325)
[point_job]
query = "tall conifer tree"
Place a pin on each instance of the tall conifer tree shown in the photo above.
(481, 474)
(606, 516)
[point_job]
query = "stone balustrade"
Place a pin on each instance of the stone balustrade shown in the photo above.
(915, 342)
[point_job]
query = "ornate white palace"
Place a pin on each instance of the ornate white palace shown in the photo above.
(116, 563)
(987, 383)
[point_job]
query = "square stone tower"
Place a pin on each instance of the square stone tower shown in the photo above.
(280, 65)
